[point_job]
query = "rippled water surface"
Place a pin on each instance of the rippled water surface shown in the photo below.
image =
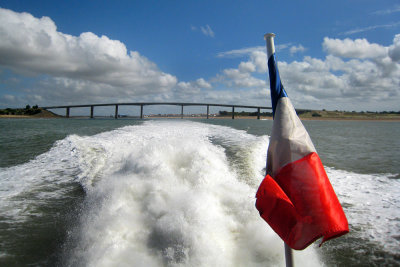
(181, 193)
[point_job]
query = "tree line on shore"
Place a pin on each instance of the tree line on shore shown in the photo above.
(314, 113)
(28, 110)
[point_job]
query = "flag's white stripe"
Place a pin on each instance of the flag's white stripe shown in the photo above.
(289, 139)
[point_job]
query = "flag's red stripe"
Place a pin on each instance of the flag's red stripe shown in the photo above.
(300, 204)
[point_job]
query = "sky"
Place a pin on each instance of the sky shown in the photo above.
(334, 55)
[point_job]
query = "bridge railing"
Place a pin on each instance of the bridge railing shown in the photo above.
(142, 104)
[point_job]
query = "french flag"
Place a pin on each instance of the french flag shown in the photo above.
(295, 198)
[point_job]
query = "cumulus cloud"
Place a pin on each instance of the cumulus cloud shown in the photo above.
(193, 86)
(247, 67)
(296, 49)
(51, 67)
(259, 59)
(237, 78)
(355, 74)
(394, 50)
(33, 46)
(203, 83)
(359, 48)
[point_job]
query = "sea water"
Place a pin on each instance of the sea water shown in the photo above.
(79, 192)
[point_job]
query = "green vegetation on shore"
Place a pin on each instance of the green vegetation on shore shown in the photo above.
(324, 114)
(28, 111)
(353, 115)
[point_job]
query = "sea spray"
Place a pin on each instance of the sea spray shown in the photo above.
(164, 194)
(54, 194)
(37, 203)
(44, 178)
(372, 205)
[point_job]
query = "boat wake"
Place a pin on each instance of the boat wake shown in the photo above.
(174, 193)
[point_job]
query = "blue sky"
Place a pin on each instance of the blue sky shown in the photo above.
(332, 54)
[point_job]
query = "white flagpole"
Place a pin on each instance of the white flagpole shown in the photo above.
(269, 38)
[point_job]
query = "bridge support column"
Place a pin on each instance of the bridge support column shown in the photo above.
(233, 112)
(258, 113)
(67, 112)
(208, 110)
(116, 112)
(141, 111)
(182, 112)
(91, 111)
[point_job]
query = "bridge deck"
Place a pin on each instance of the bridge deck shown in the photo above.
(155, 103)
(142, 104)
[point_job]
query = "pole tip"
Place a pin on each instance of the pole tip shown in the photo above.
(269, 35)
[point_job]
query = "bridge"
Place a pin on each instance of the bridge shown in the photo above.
(142, 104)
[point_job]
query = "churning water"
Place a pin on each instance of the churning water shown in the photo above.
(177, 193)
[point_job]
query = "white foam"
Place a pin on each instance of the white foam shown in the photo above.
(372, 206)
(180, 193)
(163, 194)
(23, 188)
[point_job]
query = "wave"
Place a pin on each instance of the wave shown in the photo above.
(372, 206)
(178, 193)
(167, 194)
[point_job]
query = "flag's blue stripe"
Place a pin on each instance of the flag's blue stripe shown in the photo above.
(277, 90)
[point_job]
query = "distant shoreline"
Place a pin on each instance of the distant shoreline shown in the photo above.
(42, 114)
(211, 118)
(322, 116)
(382, 118)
